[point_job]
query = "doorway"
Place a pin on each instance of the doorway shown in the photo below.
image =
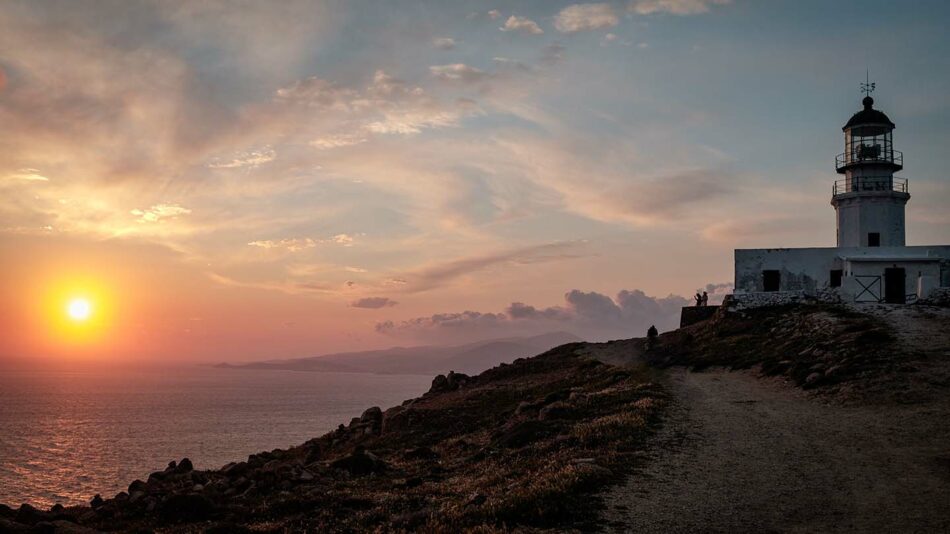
(894, 290)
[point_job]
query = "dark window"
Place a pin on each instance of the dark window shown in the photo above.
(770, 280)
(836, 277)
(874, 239)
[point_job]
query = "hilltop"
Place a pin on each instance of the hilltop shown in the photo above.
(817, 415)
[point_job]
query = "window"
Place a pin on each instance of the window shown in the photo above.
(874, 239)
(771, 280)
(836, 278)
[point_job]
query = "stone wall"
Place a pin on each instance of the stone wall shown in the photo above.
(761, 299)
(694, 314)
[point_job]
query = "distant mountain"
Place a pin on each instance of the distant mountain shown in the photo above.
(470, 358)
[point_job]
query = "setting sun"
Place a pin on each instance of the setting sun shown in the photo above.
(79, 309)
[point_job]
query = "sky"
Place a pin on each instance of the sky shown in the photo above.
(249, 180)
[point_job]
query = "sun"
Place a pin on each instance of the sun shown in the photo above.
(79, 309)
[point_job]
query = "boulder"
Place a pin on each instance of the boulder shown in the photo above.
(185, 466)
(184, 508)
(360, 463)
(137, 486)
(556, 410)
(521, 434)
(96, 501)
(813, 379)
(31, 515)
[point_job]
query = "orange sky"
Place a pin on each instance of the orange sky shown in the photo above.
(236, 183)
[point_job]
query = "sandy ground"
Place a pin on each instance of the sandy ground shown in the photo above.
(739, 453)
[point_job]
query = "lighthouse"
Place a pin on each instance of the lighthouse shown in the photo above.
(871, 262)
(869, 201)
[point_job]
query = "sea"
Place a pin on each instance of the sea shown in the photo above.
(66, 435)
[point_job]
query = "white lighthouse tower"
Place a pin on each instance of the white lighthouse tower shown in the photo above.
(871, 262)
(870, 200)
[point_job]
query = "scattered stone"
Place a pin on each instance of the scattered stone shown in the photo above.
(186, 508)
(96, 501)
(184, 466)
(360, 463)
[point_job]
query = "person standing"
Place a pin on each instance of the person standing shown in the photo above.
(705, 299)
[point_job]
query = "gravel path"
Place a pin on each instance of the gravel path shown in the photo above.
(738, 453)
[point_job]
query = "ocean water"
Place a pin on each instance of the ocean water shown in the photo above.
(67, 435)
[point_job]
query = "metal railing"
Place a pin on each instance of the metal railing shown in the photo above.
(859, 184)
(869, 154)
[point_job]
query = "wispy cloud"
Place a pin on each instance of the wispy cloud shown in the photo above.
(159, 212)
(674, 7)
(444, 43)
(584, 17)
(373, 303)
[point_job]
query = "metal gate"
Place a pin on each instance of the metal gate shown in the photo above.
(869, 288)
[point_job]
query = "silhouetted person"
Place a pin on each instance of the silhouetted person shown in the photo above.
(705, 299)
(651, 336)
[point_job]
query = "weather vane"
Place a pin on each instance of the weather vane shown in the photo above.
(867, 86)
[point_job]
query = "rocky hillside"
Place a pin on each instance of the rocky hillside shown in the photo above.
(872, 353)
(516, 447)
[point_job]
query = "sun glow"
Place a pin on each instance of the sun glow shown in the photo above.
(79, 309)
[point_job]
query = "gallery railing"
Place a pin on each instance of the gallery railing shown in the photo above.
(858, 184)
(869, 154)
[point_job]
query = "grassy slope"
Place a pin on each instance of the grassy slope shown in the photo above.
(516, 448)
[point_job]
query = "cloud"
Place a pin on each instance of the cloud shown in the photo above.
(521, 25)
(459, 72)
(440, 274)
(290, 244)
(160, 212)
(585, 17)
(338, 140)
(494, 14)
(444, 43)
(251, 158)
(296, 244)
(28, 175)
(593, 316)
(674, 7)
(373, 303)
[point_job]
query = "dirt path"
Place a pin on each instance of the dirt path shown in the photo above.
(738, 453)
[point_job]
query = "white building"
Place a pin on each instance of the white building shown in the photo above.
(871, 262)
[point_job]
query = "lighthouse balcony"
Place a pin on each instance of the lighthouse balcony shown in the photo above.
(877, 154)
(867, 184)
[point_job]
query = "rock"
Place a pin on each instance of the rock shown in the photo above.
(477, 499)
(186, 508)
(522, 434)
(136, 496)
(556, 410)
(439, 383)
(30, 515)
(66, 527)
(360, 463)
(420, 453)
(372, 415)
(813, 379)
(96, 501)
(6, 511)
(12, 527)
(184, 466)
(197, 488)
(171, 465)
(138, 485)
(234, 470)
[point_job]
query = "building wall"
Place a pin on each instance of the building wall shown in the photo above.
(860, 213)
(808, 270)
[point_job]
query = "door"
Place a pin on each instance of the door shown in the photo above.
(894, 291)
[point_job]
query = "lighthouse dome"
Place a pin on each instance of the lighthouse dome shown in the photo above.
(868, 117)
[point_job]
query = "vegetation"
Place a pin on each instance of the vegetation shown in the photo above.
(518, 447)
